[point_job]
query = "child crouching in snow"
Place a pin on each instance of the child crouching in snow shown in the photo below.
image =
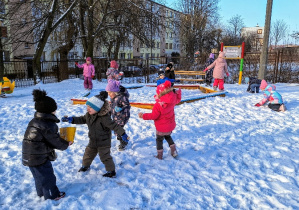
(40, 140)
(100, 125)
(164, 117)
(271, 96)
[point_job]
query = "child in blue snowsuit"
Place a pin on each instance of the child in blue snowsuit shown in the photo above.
(163, 79)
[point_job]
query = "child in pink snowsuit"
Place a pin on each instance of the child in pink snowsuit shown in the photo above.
(220, 67)
(164, 116)
(88, 73)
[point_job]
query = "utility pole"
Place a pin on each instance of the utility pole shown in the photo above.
(264, 53)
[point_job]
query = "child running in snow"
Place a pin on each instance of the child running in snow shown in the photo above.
(40, 141)
(271, 96)
(100, 124)
(120, 107)
(88, 73)
(164, 117)
(112, 71)
(220, 67)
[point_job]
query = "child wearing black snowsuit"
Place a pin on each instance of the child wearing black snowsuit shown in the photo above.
(119, 106)
(40, 140)
(100, 124)
(209, 74)
(254, 85)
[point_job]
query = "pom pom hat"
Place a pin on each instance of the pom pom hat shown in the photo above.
(43, 103)
(88, 59)
(96, 102)
(211, 55)
(113, 64)
(113, 85)
(263, 84)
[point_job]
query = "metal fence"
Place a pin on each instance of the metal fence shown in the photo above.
(283, 66)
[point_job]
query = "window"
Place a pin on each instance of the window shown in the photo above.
(166, 46)
(129, 56)
(122, 55)
(153, 55)
(259, 31)
(158, 55)
(158, 45)
(170, 45)
(4, 31)
(147, 55)
(2, 7)
(27, 45)
(6, 56)
(141, 55)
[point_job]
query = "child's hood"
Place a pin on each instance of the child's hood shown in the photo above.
(270, 88)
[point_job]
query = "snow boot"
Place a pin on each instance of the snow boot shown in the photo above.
(110, 174)
(83, 169)
(215, 88)
(173, 151)
(160, 154)
(282, 108)
(61, 195)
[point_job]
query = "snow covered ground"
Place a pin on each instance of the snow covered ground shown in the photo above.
(232, 155)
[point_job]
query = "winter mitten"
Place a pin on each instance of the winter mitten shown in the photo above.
(118, 109)
(125, 138)
(206, 69)
(76, 63)
(258, 105)
(67, 119)
(227, 74)
(92, 76)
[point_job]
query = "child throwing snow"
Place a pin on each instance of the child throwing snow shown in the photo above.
(40, 141)
(220, 67)
(88, 73)
(164, 117)
(271, 96)
(100, 125)
(120, 107)
(112, 71)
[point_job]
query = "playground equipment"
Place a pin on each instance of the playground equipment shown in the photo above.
(6, 86)
(210, 93)
(190, 73)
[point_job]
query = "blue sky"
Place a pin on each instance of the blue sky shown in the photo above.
(254, 11)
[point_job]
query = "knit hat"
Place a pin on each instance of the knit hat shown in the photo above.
(161, 73)
(96, 102)
(221, 55)
(88, 59)
(263, 84)
(43, 103)
(113, 64)
(211, 55)
(113, 85)
(163, 87)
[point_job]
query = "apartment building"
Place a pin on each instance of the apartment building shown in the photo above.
(255, 34)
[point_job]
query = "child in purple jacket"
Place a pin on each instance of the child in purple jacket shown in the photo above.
(88, 73)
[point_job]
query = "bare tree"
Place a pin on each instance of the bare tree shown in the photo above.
(111, 22)
(33, 22)
(278, 31)
(197, 23)
(235, 25)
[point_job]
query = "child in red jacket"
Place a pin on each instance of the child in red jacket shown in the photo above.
(163, 116)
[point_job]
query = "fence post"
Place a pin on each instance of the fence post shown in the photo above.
(58, 70)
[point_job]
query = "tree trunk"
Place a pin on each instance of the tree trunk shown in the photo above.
(1, 58)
